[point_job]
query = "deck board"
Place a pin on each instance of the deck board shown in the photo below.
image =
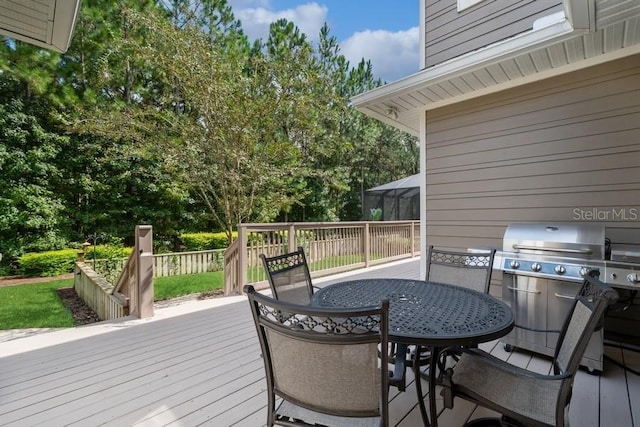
(204, 368)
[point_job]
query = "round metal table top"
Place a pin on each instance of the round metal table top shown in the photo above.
(425, 313)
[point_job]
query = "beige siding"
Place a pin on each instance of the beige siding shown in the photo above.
(450, 33)
(548, 151)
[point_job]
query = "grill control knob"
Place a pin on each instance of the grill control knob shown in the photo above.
(584, 271)
(559, 269)
(633, 277)
(514, 264)
(536, 266)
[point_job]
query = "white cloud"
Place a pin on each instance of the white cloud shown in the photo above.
(393, 54)
(256, 20)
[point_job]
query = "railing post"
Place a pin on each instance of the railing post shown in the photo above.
(144, 274)
(292, 237)
(242, 259)
(413, 237)
(367, 245)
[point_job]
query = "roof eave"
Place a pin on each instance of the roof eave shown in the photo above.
(60, 29)
(578, 20)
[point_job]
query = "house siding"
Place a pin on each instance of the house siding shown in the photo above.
(450, 33)
(551, 151)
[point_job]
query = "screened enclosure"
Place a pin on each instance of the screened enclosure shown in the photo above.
(397, 200)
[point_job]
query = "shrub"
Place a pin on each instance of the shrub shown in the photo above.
(50, 263)
(205, 241)
(107, 252)
(54, 263)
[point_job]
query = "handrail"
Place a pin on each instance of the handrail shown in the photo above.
(550, 249)
(230, 259)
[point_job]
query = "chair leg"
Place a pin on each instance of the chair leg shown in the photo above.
(398, 377)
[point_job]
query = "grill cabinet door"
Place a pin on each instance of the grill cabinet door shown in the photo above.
(527, 297)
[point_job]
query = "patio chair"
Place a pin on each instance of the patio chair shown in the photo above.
(467, 269)
(322, 376)
(471, 270)
(522, 396)
(289, 277)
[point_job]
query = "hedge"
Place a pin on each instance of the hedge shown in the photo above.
(50, 263)
(106, 252)
(205, 241)
(54, 263)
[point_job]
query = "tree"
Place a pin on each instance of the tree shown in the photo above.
(29, 210)
(117, 181)
(161, 112)
(209, 119)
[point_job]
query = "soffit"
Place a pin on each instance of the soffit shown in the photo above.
(560, 46)
(44, 23)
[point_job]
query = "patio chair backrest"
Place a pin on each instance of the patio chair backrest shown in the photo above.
(584, 318)
(467, 269)
(324, 360)
(289, 277)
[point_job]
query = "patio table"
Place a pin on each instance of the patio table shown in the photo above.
(426, 314)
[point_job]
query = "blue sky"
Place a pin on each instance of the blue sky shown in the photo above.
(383, 31)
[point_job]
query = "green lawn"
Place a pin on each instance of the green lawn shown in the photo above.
(38, 305)
(34, 306)
(175, 286)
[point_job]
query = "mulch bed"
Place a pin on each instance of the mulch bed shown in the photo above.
(211, 294)
(82, 313)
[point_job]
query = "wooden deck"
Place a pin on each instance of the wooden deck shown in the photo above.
(199, 363)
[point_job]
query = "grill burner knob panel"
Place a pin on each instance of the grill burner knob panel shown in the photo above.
(552, 270)
(633, 277)
(559, 269)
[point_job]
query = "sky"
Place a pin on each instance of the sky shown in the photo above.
(383, 31)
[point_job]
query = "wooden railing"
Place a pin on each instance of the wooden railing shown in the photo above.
(133, 291)
(330, 247)
(178, 263)
(98, 294)
(231, 268)
(166, 264)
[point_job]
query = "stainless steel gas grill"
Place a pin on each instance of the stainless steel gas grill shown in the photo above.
(543, 267)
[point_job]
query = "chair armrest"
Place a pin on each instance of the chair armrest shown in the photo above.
(501, 364)
(488, 363)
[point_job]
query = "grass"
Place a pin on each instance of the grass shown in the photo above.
(37, 305)
(34, 306)
(175, 286)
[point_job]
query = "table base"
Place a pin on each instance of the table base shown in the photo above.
(432, 418)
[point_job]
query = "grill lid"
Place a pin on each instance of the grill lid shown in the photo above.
(576, 240)
(626, 253)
